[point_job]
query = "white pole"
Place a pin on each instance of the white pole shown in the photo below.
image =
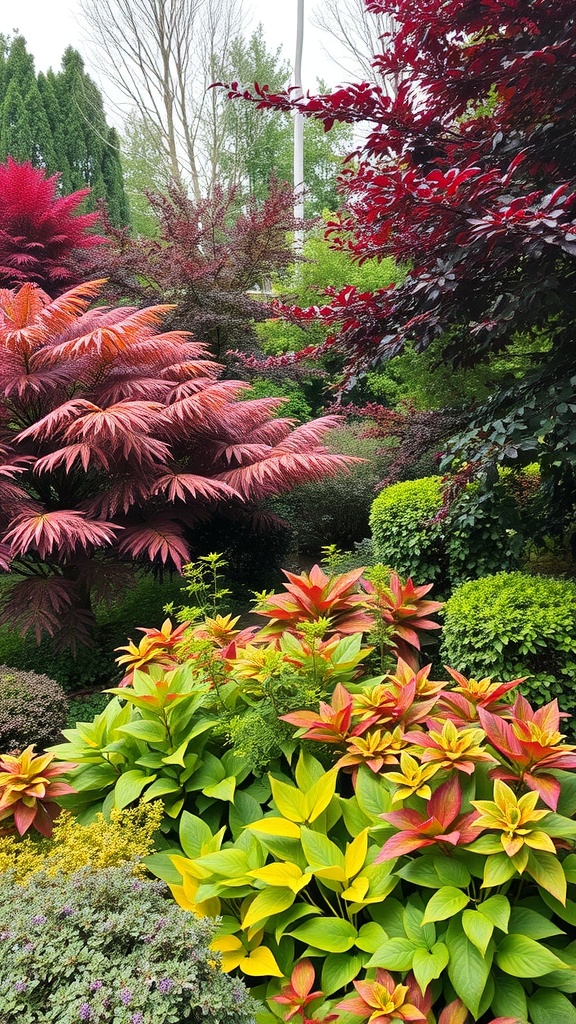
(299, 131)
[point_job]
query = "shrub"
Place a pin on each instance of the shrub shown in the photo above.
(402, 529)
(485, 531)
(127, 836)
(514, 624)
(119, 475)
(336, 511)
(435, 845)
(33, 709)
(102, 946)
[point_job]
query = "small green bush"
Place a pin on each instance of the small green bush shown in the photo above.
(513, 624)
(108, 948)
(336, 510)
(84, 709)
(33, 709)
(403, 534)
(485, 532)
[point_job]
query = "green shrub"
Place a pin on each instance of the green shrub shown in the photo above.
(125, 837)
(102, 946)
(82, 709)
(404, 536)
(513, 624)
(336, 510)
(33, 709)
(485, 532)
(295, 405)
(93, 666)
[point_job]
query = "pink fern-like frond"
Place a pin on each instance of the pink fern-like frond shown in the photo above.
(63, 531)
(160, 539)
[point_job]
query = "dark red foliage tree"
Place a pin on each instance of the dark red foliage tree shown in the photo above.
(467, 176)
(43, 238)
(115, 442)
(207, 258)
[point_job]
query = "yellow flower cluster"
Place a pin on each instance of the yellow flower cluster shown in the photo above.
(127, 836)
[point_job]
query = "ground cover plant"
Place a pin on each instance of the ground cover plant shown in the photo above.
(117, 439)
(102, 946)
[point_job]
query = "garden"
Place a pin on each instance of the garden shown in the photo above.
(288, 573)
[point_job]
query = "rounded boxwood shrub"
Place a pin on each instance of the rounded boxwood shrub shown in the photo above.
(109, 948)
(512, 624)
(33, 709)
(402, 529)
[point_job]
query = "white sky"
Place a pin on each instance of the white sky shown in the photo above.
(49, 26)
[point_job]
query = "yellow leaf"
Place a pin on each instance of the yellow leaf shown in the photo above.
(181, 898)
(280, 874)
(357, 891)
(188, 868)
(290, 801)
(333, 873)
(356, 854)
(227, 944)
(320, 795)
(276, 827)
(261, 963)
(267, 903)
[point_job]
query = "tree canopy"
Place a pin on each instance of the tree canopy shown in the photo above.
(57, 123)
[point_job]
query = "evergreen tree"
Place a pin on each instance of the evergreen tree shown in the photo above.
(57, 122)
(16, 137)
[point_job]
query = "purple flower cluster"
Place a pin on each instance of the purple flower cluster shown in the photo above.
(165, 986)
(39, 919)
(95, 985)
(84, 1011)
(20, 986)
(125, 996)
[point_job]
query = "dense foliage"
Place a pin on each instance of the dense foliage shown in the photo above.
(514, 624)
(33, 709)
(57, 122)
(467, 173)
(43, 238)
(207, 257)
(403, 527)
(116, 441)
(102, 946)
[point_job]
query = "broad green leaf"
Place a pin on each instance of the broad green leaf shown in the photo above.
(452, 871)
(421, 871)
(161, 865)
(291, 803)
(331, 935)
(308, 770)
(546, 1006)
(429, 964)
(394, 955)
(354, 818)
(193, 833)
(372, 793)
(370, 937)
(243, 811)
(524, 921)
(161, 788)
(320, 794)
(523, 957)
(509, 997)
(390, 915)
(130, 786)
(266, 904)
(149, 731)
(96, 776)
(445, 903)
(338, 970)
(230, 863)
(419, 933)
(223, 790)
(468, 969)
(478, 929)
(294, 913)
(321, 852)
(178, 755)
(547, 871)
(565, 913)
(497, 910)
(499, 868)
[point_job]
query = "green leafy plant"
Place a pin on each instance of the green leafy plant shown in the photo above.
(431, 866)
(515, 624)
(33, 709)
(403, 530)
(100, 946)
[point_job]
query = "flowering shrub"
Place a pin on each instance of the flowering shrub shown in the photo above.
(436, 852)
(103, 947)
(127, 836)
(33, 709)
